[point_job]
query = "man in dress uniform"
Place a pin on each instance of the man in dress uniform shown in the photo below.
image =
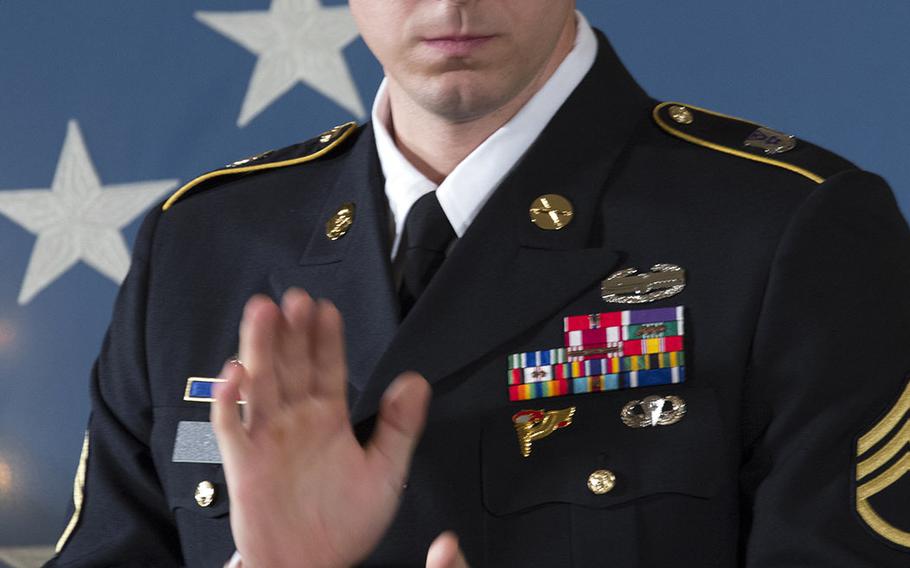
(655, 335)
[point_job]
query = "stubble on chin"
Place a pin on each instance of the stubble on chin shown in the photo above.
(463, 95)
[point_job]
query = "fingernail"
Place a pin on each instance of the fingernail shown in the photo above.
(394, 391)
(298, 291)
(255, 300)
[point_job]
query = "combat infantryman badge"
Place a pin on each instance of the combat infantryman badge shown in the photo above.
(628, 287)
(883, 458)
(533, 425)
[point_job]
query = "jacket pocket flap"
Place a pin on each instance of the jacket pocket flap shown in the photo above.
(682, 458)
(192, 480)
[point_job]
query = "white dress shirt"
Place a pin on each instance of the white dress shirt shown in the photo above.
(465, 191)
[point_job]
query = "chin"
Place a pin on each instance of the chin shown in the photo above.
(461, 96)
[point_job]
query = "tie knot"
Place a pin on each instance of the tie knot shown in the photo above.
(426, 226)
(427, 235)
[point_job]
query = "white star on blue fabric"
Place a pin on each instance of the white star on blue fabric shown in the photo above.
(296, 41)
(26, 556)
(77, 218)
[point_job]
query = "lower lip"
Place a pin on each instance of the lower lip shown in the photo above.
(457, 47)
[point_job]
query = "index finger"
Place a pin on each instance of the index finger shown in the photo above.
(260, 323)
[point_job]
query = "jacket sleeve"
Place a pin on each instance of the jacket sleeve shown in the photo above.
(826, 393)
(120, 515)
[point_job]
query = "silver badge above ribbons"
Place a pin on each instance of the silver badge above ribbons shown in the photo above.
(653, 411)
(627, 286)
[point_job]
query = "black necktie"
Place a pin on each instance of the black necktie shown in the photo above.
(427, 234)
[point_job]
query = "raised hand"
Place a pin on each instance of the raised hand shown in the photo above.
(303, 491)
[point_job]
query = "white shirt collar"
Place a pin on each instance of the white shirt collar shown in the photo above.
(465, 191)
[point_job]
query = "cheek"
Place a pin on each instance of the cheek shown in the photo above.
(538, 24)
(380, 25)
(382, 31)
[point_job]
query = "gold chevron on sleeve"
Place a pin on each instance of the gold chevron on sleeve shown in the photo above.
(886, 424)
(895, 445)
(879, 469)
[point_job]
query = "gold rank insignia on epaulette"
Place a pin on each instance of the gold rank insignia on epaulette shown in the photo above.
(883, 474)
(298, 154)
(747, 140)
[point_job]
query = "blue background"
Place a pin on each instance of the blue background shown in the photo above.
(157, 94)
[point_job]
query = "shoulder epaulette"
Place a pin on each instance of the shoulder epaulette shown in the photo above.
(290, 156)
(748, 140)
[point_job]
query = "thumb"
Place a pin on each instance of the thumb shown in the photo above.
(445, 553)
(402, 415)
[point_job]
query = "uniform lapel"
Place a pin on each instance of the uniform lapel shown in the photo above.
(353, 271)
(505, 274)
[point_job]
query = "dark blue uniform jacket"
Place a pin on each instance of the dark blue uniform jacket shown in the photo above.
(797, 335)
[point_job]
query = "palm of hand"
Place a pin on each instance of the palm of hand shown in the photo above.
(302, 487)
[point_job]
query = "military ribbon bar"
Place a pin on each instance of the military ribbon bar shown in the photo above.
(202, 389)
(599, 366)
(597, 383)
(611, 334)
(623, 318)
(603, 352)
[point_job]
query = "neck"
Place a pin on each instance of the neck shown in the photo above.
(435, 145)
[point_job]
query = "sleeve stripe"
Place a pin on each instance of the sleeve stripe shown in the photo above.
(886, 424)
(78, 496)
